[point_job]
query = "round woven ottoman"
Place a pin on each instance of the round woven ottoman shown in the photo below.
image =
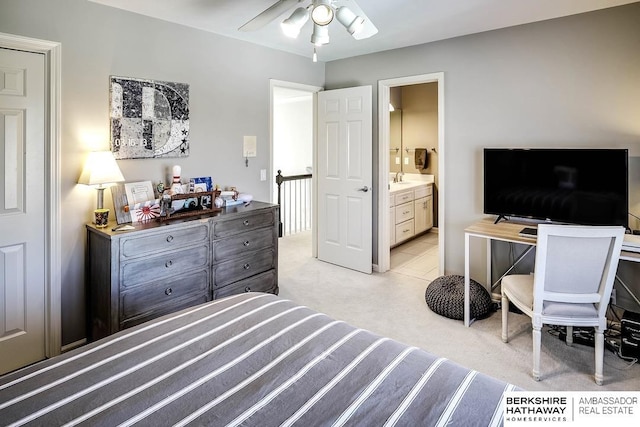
(445, 296)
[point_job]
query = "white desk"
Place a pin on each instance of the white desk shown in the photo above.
(506, 232)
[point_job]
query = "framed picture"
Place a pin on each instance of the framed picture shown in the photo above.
(120, 204)
(139, 192)
(199, 184)
(149, 118)
(135, 202)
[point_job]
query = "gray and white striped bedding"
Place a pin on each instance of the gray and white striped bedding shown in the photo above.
(251, 360)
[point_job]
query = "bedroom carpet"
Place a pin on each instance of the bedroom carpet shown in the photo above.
(392, 304)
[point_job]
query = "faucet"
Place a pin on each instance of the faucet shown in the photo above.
(398, 179)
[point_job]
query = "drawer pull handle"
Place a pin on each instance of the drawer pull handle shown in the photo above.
(168, 291)
(168, 263)
(246, 266)
(247, 289)
(169, 238)
(245, 222)
(406, 212)
(406, 231)
(246, 243)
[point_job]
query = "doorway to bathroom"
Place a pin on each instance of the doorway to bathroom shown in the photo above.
(416, 126)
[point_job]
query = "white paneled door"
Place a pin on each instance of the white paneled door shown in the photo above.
(22, 209)
(344, 177)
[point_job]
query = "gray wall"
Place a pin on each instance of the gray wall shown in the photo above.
(570, 82)
(229, 98)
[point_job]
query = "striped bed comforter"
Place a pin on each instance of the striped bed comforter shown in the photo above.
(251, 360)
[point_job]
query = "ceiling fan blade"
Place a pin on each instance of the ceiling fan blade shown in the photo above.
(369, 28)
(268, 15)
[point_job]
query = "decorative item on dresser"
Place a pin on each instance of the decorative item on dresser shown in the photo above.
(159, 268)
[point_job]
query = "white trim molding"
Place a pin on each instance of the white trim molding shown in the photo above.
(53, 64)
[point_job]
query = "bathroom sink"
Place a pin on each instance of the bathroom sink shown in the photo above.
(404, 185)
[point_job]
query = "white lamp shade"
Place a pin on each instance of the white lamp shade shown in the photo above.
(100, 169)
(352, 22)
(292, 25)
(322, 13)
(320, 35)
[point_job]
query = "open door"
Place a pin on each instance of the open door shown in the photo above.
(344, 177)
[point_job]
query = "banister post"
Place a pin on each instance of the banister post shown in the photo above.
(279, 181)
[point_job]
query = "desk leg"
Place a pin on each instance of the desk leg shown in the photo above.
(467, 311)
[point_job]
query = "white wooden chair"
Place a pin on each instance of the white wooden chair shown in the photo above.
(575, 268)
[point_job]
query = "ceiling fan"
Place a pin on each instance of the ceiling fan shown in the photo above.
(321, 13)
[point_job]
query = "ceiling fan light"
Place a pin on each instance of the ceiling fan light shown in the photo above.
(320, 35)
(322, 13)
(293, 24)
(352, 22)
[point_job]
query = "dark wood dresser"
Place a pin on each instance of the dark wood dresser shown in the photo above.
(158, 268)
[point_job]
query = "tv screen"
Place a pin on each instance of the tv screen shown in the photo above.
(577, 186)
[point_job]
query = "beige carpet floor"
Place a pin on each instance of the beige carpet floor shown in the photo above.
(392, 304)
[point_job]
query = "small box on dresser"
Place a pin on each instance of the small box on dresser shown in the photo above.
(158, 268)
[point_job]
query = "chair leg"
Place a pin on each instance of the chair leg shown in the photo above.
(569, 339)
(599, 349)
(505, 315)
(537, 338)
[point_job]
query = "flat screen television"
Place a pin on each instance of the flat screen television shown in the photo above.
(575, 186)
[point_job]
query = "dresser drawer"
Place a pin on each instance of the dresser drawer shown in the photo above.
(157, 267)
(165, 240)
(264, 282)
(234, 226)
(241, 268)
(404, 212)
(163, 294)
(224, 249)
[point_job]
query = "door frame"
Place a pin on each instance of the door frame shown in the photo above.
(53, 68)
(384, 97)
(313, 90)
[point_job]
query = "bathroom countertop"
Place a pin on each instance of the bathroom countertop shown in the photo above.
(409, 181)
(395, 187)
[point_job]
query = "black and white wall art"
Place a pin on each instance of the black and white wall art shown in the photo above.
(149, 118)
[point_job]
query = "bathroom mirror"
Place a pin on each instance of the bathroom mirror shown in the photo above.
(413, 126)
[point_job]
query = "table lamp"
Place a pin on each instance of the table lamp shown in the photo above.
(101, 171)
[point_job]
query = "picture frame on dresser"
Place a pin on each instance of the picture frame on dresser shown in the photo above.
(135, 202)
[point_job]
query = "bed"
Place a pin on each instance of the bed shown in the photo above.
(253, 360)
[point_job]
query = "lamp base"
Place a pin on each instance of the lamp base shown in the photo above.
(101, 217)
